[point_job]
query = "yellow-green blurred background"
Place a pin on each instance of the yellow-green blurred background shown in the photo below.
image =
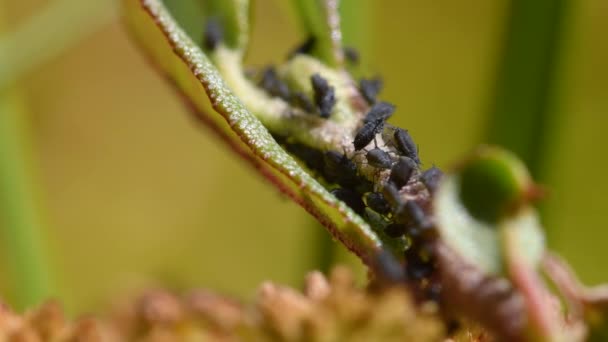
(135, 193)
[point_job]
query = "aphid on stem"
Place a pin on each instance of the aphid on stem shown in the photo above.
(214, 33)
(324, 95)
(299, 99)
(431, 178)
(340, 169)
(370, 88)
(402, 171)
(366, 134)
(379, 111)
(378, 158)
(272, 83)
(305, 48)
(405, 144)
(350, 198)
(377, 203)
(351, 54)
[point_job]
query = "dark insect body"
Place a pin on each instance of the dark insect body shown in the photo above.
(214, 34)
(305, 48)
(379, 111)
(350, 198)
(417, 267)
(311, 157)
(391, 194)
(413, 216)
(351, 54)
(324, 94)
(363, 185)
(377, 203)
(405, 144)
(339, 169)
(370, 88)
(402, 171)
(431, 178)
(395, 230)
(302, 101)
(366, 134)
(274, 85)
(389, 268)
(379, 158)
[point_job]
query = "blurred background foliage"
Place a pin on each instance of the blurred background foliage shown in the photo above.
(134, 192)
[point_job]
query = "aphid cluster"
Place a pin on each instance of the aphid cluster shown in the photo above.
(322, 103)
(403, 202)
(397, 204)
(385, 208)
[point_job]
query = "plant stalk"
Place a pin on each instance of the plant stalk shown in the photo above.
(521, 113)
(22, 228)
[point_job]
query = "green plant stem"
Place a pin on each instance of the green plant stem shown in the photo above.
(324, 246)
(521, 115)
(357, 22)
(316, 19)
(22, 228)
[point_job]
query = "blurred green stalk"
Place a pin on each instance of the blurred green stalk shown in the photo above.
(43, 36)
(20, 224)
(48, 33)
(22, 231)
(356, 21)
(521, 115)
(324, 246)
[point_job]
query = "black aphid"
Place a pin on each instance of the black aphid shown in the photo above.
(213, 35)
(370, 88)
(416, 267)
(431, 178)
(391, 194)
(405, 144)
(363, 185)
(377, 203)
(366, 134)
(302, 101)
(379, 111)
(395, 230)
(274, 85)
(325, 97)
(305, 48)
(389, 268)
(412, 215)
(402, 171)
(313, 158)
(351, 54)
(339, 169)
(379, 158)
(350, 198)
